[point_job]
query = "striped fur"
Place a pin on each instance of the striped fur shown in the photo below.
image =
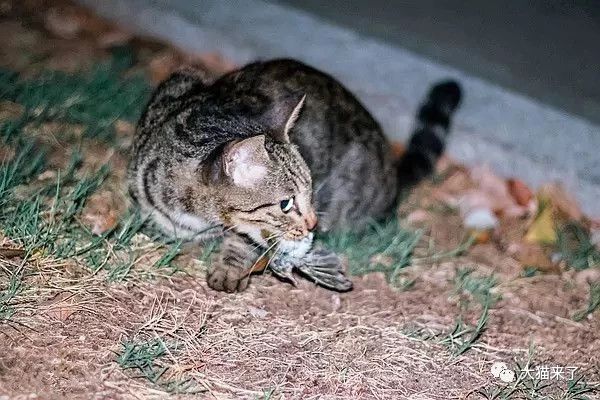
(223, 156)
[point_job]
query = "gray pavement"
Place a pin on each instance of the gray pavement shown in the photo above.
(546, 49)
(514, 133)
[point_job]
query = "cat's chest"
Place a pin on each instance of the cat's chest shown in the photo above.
(192, 226)
(192, 222)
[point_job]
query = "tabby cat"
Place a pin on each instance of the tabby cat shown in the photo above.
(264, 153)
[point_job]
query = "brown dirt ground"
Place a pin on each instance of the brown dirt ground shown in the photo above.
(300, 342)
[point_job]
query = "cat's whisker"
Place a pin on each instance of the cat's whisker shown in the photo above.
(230, 228)
(321, 185)
(256, 245)
(273, 256)
(274, 236)
(264, 254)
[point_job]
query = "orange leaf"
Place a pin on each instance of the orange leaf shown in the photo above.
(519, 191)
(481, 237)
(61, 307)
(533, 255)
(397, 149)
(259, 265)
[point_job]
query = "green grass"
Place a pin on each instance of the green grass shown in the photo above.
(26, 164)
(462, 337)
(43, 216)
(529, 271)
(576, 248)
(143, 358)
(167, 258)
(385, 240)
(578, 389)
(528, 386)
(147, 359)
(95, 98)
(9, 293)
(267, 394)
(480, 288)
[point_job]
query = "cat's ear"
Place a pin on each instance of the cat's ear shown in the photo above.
(284, 116)
(245, 162)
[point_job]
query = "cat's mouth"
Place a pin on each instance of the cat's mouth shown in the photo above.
(291, 245)
(292, 236)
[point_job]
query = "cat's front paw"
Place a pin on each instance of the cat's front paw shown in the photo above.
(227, 279)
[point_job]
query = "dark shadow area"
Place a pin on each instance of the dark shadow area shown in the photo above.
(544, 49)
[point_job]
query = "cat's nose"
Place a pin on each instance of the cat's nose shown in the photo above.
(311, 221)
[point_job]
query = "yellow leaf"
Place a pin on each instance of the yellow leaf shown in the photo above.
(543, 228)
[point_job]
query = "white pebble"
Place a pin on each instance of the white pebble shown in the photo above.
(480, 219)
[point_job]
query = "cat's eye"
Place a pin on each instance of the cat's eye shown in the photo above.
(287, 204)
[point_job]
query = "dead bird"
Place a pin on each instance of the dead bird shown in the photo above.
(269, 153)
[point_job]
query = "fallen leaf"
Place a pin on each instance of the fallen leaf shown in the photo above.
(114, 38)
(101, 212)
(493, 186)
(495, 191)
(519, 191)
(560, 201)
(162, 65)
(105, 223)
(533, 255)
(444, 164)
(480, 236)
(543, 228)
(215, 62)
(61, 307)
(62, 24)
(397, 149)
(472, 200)
(457, 181)
(259, 265)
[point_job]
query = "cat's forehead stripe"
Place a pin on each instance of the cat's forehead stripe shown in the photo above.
(291, 167)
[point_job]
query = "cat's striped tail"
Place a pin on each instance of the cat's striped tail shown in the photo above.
(428, 140)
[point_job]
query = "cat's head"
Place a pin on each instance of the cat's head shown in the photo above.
(269, 187)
